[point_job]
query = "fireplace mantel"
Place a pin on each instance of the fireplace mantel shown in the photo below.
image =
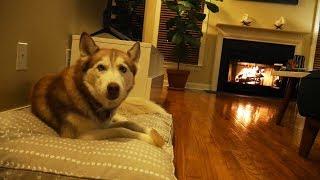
(225, 27)
(249, 33)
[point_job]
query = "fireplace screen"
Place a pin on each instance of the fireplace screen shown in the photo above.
(253, 74)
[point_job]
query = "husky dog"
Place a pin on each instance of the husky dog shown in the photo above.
(81, 101)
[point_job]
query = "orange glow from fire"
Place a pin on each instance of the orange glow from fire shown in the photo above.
(251, 73)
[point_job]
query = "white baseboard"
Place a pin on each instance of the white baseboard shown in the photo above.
(194, 86)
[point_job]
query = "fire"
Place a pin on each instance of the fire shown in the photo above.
(250, 75)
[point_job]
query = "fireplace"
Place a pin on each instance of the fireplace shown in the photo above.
(246, 67)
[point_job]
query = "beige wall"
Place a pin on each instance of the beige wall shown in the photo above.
(299, 18)
(46, 26)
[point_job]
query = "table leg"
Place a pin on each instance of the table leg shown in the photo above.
(285, 101)
(310, 131)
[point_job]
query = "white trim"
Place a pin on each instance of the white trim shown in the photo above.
(216, 63)
(263, 35)
(203, 40)
(173, 65)
(260, 29)
(156, 23)
(113, 41)
(314, 39)
(197, 86)
(192, 86)
(144, 22)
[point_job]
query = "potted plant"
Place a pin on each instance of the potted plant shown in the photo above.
(180, 30)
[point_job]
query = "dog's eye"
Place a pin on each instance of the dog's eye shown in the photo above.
(101, 67)
(122, 69)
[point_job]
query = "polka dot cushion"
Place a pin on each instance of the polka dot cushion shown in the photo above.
(28, 145)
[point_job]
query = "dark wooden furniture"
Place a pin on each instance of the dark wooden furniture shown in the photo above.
(308, 99)
(107, 24)
(123, 21)
(291, 75)
(310, 131)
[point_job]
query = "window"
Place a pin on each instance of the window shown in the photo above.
(316, 64)
(166, 47)
(127, 18)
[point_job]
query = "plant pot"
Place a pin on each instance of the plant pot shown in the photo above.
(177, 79)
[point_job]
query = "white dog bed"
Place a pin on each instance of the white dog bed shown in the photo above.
(31, 150)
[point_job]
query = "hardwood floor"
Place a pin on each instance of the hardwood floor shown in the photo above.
(232, 137)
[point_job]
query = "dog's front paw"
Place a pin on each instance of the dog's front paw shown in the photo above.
(157, 138)
(86, 137)
(152, 137)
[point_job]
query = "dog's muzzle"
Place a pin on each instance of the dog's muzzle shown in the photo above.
(113, 90)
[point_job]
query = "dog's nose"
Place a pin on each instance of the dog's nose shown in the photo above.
(113, 91)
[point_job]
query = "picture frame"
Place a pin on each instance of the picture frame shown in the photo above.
(293, 2)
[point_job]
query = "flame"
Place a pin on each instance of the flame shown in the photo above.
(250, 75)
(248, 72)
(255, 74)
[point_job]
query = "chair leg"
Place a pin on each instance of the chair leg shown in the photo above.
(310, 130)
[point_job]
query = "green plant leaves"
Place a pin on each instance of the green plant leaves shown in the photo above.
(212, 7)
(170, 35)
(193, 27)
(172, 22)
(183, 29)
(172, 6)
(182, 9)
(200, 16)
(196, 3)
(180, 51)
(186, 4)
(195, 42)
(177, 38)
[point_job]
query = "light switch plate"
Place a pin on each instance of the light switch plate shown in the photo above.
(22, 56)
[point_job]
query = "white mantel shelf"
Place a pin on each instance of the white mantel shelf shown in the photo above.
(221, 28)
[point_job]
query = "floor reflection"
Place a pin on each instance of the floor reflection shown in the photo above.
(247, 114)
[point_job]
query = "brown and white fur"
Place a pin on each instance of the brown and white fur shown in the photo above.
(81, 101)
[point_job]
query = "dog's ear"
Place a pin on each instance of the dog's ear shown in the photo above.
(134, 52)
(87, 45)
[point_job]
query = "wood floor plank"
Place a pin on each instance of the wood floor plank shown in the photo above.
(235, 137)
